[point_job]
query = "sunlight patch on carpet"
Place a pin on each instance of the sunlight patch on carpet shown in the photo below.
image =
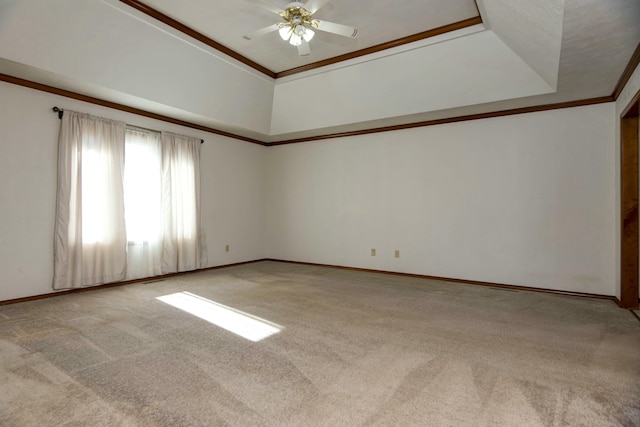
(243, 324)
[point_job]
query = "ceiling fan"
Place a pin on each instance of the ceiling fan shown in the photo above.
(298, 24)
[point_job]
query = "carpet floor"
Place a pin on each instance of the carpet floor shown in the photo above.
(354, 348)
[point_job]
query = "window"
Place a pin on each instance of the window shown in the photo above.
(143, 203)
(128, 203)
(96, 183)
(142, 186)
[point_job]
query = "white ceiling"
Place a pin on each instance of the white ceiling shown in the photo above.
(380, 21)
(527, 53)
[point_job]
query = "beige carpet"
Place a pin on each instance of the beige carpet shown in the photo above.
(356, 349)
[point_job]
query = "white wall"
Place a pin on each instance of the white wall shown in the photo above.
(527, 200)
(232, 189)
(524, 200)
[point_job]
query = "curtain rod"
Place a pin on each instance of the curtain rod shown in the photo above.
(134, 127)
(60, 112)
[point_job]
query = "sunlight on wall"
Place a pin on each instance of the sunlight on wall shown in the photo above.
(246, 325)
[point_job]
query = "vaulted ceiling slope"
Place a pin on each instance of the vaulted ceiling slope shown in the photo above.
(523, 54)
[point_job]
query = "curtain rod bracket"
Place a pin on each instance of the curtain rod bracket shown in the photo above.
(60, 112)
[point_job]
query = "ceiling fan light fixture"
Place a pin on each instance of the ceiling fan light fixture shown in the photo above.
(308, 35)
(299, 30)
(297, 25)
(295, 39)
(285, 33)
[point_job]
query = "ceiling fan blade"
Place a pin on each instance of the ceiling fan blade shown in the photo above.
(314, 5)
(262, 32)
(304, 49)
(265, 5)
(339, 29)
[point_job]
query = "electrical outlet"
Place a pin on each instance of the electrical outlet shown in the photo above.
(397, 255)
(373, 252)
(226, 248)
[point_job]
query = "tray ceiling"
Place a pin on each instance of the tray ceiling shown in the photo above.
(226, 21)
(524, 54)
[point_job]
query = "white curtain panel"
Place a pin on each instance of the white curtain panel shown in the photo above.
(143, 203)
(89, 242)
(183, 243)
